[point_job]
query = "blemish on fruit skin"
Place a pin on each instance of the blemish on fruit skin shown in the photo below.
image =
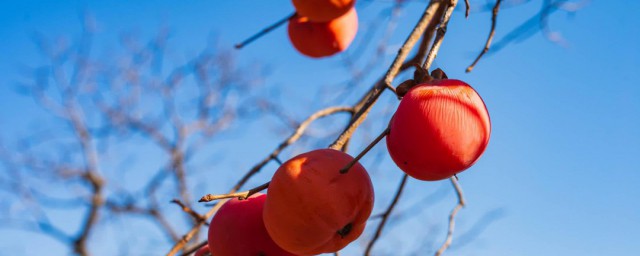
(345, 230)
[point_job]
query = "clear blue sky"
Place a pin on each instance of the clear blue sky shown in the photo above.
(560, 176)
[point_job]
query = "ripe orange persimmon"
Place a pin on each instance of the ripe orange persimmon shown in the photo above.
(204, 251)
(237, 229)
(439, 129)
(321, 39)
(322, 10)
(312, 208)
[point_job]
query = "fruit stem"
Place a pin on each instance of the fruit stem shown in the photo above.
(439, 74)
(369, 147)
(240, 195)
(265, 31)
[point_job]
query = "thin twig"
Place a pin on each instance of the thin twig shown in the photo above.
(494, 18)
(423, 46)
(452, 216)
(277, 159)
(189, 235)
(92, 174)
(163, 222)
(385, 215)
(369, 147)
(537, 23)
(442, 30)
(265, 31)
(151, 211)
(188, 210)
(467, 8)
(240, 195)
(193, 249)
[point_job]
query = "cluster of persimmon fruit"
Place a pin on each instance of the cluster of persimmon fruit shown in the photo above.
(319, 201)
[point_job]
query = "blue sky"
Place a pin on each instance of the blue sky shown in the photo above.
(560, 175)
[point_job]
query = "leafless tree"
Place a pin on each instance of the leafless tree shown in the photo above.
(135, 114)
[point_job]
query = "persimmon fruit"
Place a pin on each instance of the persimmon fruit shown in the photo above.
(204, 251)
(440, 128)
(322, 39)
(312, 208)
(238, 229)
(322, 10)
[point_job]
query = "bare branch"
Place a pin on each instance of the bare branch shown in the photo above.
(147, 129)
(452, 216)
(152, 212)
(385, 215)
(364, 151)
(90, 155)
(188, 210)
(494, 18)
(539, 22)
(265, 31)
(467, 8)
(164, 223)
(190, 234)
(240, 195)
(442, 30)
(193, 249)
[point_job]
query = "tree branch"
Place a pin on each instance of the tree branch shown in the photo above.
(364, 151)
(386, 214)
(265, 31)
(467, 8)
(442, 30)
(193, 249)
(240, 195)
(452, 216)
(494, 18)
(188, 210)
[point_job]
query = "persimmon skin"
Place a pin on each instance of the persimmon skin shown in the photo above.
(204, 251)
(238, 229)
(312, 208)
(322, 39)
(322, 10)
(440, 129)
